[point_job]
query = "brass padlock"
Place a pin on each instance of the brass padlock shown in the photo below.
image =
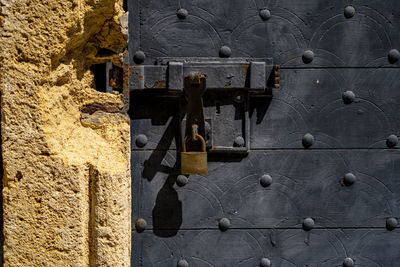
(194, 162)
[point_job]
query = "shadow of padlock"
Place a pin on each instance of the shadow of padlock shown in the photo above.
(194, 162)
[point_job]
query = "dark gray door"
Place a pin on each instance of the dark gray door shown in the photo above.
(301, 116)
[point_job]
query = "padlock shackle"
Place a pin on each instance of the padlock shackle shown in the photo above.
(199, 137)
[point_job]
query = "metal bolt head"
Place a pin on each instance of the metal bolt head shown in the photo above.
(308, 224)
(348, 262)
(224, 224)
(238, 97)
(391, 223)
(182, 13)
(266, 180)
(393, 56)
(225, 51)
(182, 263)
(265, 14)
(239, 141)
(392, 141)
(348, 97)
(141, 140)
(349, 12)
(139, 57)
(265, 262)
(349, 179)
(181, 180)
(308, 140)
(308, 56)
(140, 224)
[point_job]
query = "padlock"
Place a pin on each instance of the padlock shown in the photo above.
(194, 162)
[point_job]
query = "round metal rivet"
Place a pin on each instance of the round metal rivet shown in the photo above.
(238, 97)
(139, 57)
(349, 179)
(225, 51)
(349, 12)
(391, 223)
(394, 56)
(308, 224)
(265, 262)
(392, 141)
(181, 180)
(182, 13)
(141, 140)
(308, 56)
(266, 180)
(140, 224)
(308, 140)
(239, 141)
(224, 224)
(265, 14)
(348, 262)
(182, 263)
(348, 97)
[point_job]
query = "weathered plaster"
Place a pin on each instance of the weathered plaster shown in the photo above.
(66, 173)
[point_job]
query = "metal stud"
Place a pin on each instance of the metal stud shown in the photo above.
(348, 97)
(140, 225)
(181, 180)
(139, 57)
(393, 56)
(349, 179)
(141, 140)
(308, 140)
(224, 224)
(225, 51)
(239, 141)
(348, 262)
(266, 180)
(265, 262)
(392, 141)
(182, 263)
(349, 12)
(391, 223)
(308, 56)
(238, 97)
(308, 224)
(182, 13)
(265, 14)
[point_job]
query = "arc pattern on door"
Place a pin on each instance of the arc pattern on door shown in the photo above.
(320, 182)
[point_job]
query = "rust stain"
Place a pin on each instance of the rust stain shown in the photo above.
(160, 84)
(244, 67)
(227, 84)
(140, 77)
(105, 107)
(127, 71)
(116, 77)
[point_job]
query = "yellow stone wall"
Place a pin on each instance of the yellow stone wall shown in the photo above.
(66, 192)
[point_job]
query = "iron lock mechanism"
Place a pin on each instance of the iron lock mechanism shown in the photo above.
(217, 100)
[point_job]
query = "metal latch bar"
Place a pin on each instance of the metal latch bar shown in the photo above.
(254, 76)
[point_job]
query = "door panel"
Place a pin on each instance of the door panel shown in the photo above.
(304, 184)
(303, 97)
(289, 247)
(291, 28)
(308, 101)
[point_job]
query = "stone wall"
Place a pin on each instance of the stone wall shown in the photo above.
(66, 183)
